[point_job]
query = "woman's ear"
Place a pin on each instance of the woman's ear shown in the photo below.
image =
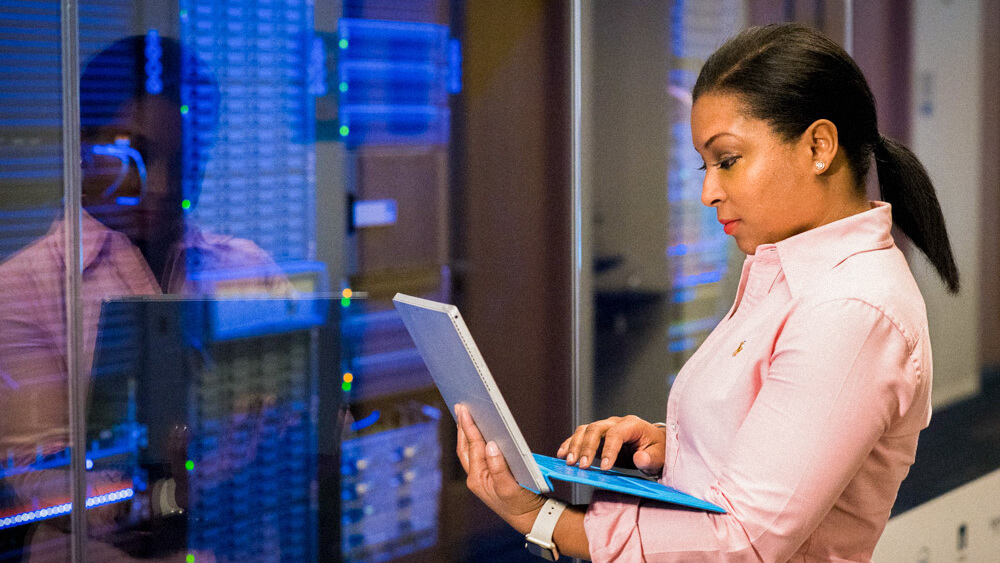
(823, 144)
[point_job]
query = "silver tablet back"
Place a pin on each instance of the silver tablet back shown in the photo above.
(461, 375)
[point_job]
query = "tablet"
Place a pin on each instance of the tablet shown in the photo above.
(461, 375)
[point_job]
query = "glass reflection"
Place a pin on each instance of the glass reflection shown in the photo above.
(137, 240)
(135, 183)
(32, 337)
(200, 163)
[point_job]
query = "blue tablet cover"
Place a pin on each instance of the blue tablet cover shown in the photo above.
(553, 468)
(461, 374)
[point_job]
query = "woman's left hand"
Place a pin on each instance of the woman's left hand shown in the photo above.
(491, 480)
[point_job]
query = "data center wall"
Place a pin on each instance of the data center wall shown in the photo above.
(397, 69)
(31, 179)
(227, 173)
(251, 94)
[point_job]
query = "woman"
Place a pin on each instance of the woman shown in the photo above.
(800, 413)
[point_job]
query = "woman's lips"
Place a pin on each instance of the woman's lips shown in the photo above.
(729, 226)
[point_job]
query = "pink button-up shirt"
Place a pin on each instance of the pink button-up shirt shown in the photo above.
(33, 385)
(799, 414)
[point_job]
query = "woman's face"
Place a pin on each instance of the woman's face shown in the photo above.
(763, 189)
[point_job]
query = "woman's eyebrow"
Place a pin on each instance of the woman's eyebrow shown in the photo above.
(716, 136)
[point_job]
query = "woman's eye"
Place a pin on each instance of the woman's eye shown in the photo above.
(724, 164)
(728, 163)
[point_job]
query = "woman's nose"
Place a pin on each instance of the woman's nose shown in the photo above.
(711, 192)
(158, 180)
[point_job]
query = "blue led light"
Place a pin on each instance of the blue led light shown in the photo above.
(366, 421)
(684, 296)
(682, 345)
(398, 76)
(126, 442)
(692, 280)
(123, 151)
(154, 67)
(316, 70)
(109, 498)
(677, 250)
(65, 508)
(454, 66)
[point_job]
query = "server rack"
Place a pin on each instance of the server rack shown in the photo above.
(261, 90)
(397, 68)
(247, 170)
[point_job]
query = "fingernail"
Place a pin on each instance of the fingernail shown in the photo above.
(605, 463)
(569, 459)
(492, 449)
(583, 461)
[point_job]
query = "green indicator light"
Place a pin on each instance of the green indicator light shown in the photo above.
(343, 43)
(344, 130)
(190, 467)
(186, 204)
(190, 558)
(185, 109)
(346, 386)
(343, 86)
(184, 13)
(345, 301)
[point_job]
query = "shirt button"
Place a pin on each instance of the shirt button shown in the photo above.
(673, 426)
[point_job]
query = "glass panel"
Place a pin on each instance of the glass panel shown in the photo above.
(396, 70)
(221, 376)
(34, 425)
(203, 419)
(664, 272)
(206, 315)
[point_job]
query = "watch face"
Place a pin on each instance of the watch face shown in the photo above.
(548, 554)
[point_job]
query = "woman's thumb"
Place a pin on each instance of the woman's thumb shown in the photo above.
(649, 461)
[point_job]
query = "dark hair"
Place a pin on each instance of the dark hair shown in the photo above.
(790, 76)
(122, 72)
(146, 66)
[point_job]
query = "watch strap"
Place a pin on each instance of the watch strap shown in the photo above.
(540, 537)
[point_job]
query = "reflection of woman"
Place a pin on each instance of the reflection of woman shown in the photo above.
(800, 413)
(135, 241)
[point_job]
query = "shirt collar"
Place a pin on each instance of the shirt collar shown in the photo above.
(812, 254)
(94, 236)
(193, 237)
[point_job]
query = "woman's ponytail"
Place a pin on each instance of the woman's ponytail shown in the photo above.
(790, 76)
(904, 184)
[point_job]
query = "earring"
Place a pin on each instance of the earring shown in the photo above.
(820, 165)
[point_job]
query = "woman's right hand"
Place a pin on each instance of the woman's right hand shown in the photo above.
(621, 436)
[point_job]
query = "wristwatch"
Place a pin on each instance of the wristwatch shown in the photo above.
(539, 539)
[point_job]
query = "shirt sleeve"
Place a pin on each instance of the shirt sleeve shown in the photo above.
(840, 374)
(33, 385)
